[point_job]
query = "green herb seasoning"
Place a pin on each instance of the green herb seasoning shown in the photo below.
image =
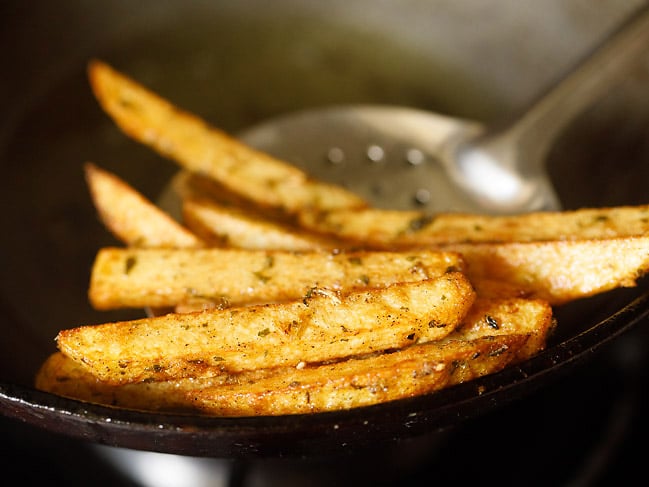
(422, 221)
(499, 351)
(492, 322)
(436, 324)
(129, 264)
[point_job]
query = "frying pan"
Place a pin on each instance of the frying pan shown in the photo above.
(237, 63)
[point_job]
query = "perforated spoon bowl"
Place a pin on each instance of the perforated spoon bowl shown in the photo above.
(402, 158)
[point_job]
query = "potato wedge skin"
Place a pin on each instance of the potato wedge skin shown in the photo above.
(201, 148)
(321, 327)
(134, 278)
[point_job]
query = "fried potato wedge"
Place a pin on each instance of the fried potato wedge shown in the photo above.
(379, 228)
(352, 382)
(200, 148)
(65, 377)
(510, 316)
(231, 227)
(476, 349)
(134, 278)
(416, 370)
(559, 271)
(321, 327)
(131, 217)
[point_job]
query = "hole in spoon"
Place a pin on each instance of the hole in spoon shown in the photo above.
(336, 155)
(375, 153)
(415, 157)
(422, 196)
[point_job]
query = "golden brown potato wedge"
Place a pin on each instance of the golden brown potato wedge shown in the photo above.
(322, 326)
(189, 186)
(416, 370)
(289, 390)
(379, 228)
(231, 227)
(65, 377)
(131, 217)
(127, 277)
(295, 325)
(510, 316)
(200, 148)
(559, 271)
(476, 349)
(344, 384)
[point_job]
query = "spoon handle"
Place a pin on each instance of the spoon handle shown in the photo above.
(607, 64)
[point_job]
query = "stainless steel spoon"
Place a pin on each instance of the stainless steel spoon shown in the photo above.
(402, 157)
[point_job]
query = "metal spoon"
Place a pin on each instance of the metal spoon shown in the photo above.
(402, 157)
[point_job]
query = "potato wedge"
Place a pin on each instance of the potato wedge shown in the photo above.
(231, 227)
(134, 278)
(510, 316)
(475, 349)
(527, 320)
(416, 370)
(65, 377)
(131, 217)
(559, 271)
(351, 383)
(379, 228)
(322, 326)
(200, 148)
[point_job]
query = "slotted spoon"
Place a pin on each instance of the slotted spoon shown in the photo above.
(402, 157)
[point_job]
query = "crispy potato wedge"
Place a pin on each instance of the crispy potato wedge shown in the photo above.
(63, 376)
(133, 278)
(416, 370)
(200, 148)
(559, 271)
(510, 316)
(297, 321)
(350, 383)
(475, 349)
(187, 186)
(231, 227)
(322, 326)
(131, 217)
(527, 320)
(379, 228)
